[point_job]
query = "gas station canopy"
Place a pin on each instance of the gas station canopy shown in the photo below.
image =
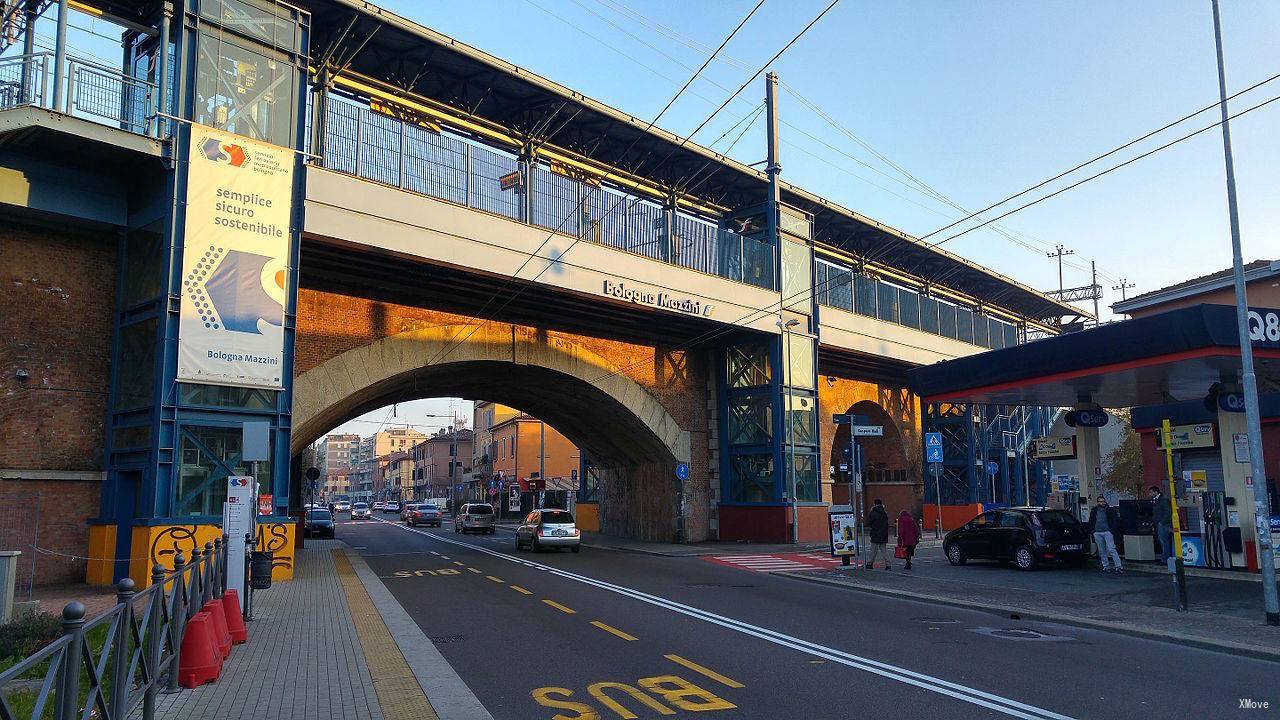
(1168, 357)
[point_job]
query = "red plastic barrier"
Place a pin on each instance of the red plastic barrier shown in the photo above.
(235, 621)
(199, 661)
(221, 635)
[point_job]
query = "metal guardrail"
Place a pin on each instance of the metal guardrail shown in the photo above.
(93, 91)
(381, 149)
(70, 679)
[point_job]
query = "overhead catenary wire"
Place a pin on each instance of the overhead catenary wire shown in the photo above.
(519, 290)
(1103, 156)
(1097, 175)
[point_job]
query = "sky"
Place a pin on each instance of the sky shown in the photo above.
(975, 100)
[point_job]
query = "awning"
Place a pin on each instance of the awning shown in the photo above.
(1169, 357)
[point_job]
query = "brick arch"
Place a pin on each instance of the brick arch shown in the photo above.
(565, 383)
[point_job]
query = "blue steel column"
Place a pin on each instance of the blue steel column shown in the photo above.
(60, 55)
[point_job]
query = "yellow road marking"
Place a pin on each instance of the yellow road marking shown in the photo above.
(475, 571)
(521, 590)
(730, 682)
(495, 579)
(613, 630)
(560, 607)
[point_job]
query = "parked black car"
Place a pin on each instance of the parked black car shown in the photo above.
(319, 524)
(1027, 536)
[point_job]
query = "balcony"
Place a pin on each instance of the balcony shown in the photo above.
(91, 91)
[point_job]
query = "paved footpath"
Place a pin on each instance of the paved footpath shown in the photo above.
(311, 647)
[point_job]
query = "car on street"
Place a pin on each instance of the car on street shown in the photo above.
(548, 529)
(392, 507)
(319, 523)
(474, 516)
(1025, 536)
(379, 506)
(360, 510)
(425, 514)
(342, 506)
(406, 511)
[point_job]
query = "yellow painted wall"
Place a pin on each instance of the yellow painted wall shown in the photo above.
(588, 517)
(154, 544)
(102, 551)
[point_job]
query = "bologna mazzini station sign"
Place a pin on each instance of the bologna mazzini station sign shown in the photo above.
(235, 260)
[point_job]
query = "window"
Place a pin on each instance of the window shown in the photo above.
(947, 319)
(864, 295)
(747, 365)
(800, 358)
(980, 326)
(929, 315)
(909, 308)
(984, 520)
(209, 455)
(751, 477)
(807, 486)
(802, 418)
(797, 276)
(135, 376)
(244, 91)
(750, 418)
(964, 324)
(887, 297)
(1010, 519)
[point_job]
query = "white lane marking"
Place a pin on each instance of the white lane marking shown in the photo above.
(988, 700)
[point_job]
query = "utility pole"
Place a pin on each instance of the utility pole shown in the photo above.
(1059, 252)
(1097, 291)
(1122, 287)
(1250, 381)
(772, 169)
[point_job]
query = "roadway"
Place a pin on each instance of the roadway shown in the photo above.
(605, 634)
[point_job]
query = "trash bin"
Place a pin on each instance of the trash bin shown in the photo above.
(260, 569)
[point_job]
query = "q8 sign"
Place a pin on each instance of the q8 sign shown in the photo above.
(1264, 326)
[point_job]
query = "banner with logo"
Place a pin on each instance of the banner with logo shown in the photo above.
(235, 260)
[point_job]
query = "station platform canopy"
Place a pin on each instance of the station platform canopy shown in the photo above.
(1169, 357)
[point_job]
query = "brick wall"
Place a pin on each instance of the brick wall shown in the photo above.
(57, 291)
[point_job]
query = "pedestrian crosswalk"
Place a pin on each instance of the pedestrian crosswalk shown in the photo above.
(776, 562)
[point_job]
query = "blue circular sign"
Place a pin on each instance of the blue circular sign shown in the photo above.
(682, 471)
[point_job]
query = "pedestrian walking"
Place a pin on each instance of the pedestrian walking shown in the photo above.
(908, 536)
(1162, 523)
(1104, 521)
(878, 532)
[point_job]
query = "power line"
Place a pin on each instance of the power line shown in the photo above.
(1095, 176)
(1103, 156)
(520, 290)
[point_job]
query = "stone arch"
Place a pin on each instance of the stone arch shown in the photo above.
(889, 468)
(583, 395)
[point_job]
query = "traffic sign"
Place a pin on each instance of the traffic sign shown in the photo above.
(933, 447)
(868, 430)
(849, 419)
(992, 468)
(682, 471)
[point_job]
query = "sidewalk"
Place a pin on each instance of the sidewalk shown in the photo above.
(1224, 614)
(311, 646)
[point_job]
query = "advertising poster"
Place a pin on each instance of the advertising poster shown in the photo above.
(235, 260)
(844, 533)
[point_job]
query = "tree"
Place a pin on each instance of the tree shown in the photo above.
(1124, 463)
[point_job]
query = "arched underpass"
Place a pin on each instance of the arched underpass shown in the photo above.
(622, 428)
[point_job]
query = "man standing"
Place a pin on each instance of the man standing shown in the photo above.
(878, 532)
(1104, 521)
(1162, 523)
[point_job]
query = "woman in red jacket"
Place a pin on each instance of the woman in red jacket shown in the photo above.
(908, 535)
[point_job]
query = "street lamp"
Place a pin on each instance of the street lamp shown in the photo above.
(786, 415)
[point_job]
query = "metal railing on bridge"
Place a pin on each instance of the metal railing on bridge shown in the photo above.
(382, 149)
(92, 91)
(112, 665)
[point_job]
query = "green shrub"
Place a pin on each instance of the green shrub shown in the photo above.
(27, 634)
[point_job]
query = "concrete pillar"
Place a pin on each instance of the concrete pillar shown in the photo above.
(1088, 462)
(1234, 475)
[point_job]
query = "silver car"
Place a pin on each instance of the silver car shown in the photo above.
(548, 529)
(360, 510)
(474, 516)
